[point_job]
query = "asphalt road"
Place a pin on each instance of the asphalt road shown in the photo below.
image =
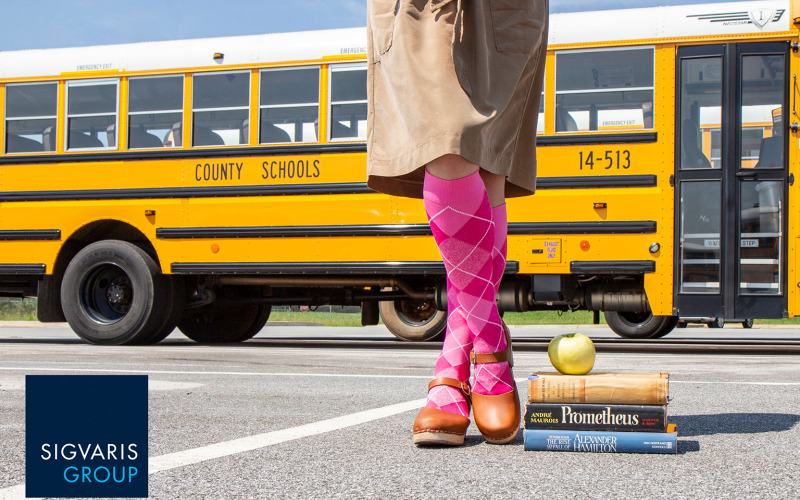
(253, 421)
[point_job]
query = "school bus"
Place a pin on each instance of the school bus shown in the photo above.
(197, 183)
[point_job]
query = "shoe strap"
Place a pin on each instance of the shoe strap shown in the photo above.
(451, 382)
(495, 357)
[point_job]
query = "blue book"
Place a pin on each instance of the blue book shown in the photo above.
(602, 441)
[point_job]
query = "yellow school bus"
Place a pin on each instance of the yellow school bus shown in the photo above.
(197, 183)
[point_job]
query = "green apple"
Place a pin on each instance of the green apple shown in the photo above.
(572, 353)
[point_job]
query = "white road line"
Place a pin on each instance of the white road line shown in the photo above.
(226, 448)
(13, 492)
(183, 372)
(335, 375)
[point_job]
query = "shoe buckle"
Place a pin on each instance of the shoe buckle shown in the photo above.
(465, 388)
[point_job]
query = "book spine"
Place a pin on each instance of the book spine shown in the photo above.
(598, 390)
(600, 442)
(594, 417)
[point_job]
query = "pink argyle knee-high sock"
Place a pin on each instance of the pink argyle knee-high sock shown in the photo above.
(453, 362)
(460, 217)
(495, 378)
(500, 219)
(462, 228)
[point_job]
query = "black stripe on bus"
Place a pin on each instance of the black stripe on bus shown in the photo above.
(19, 269)
(589, 139)
(292, 149)
(30, 235)
(315, 268)
(598, 227)
(514, 228)
(188, 192)
(597, 181)
(176, 154)
(166, 233)
(612, 267)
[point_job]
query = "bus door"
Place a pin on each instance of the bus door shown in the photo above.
(730, 181)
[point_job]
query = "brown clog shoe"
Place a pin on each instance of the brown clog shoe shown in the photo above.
(497, 416)
(438, 427)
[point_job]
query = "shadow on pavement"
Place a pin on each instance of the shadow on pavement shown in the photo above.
(733, 423)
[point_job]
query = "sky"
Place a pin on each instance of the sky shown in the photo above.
(40, 24)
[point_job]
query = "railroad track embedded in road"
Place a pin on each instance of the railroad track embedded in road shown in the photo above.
(532, 344)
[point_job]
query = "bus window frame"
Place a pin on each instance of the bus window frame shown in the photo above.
(556, 92)
(130, 113)
(541, 116)
(6, 118)
(192, 110)
(261, 107)
(334, 68)
(67, 116)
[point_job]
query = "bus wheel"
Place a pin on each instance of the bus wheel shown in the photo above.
(640, 325)
(414, 320)
(716, 323)
(748, 323)
(113, 293)
(178, 285)
(223, 320)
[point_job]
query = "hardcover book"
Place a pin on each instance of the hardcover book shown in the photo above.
(599, 388)
(595, 417)
(602, 442)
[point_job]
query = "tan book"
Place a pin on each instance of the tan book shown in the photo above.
(599, 388)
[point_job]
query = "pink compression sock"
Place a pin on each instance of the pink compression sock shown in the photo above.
(460, 218)
(495, 378)
(453, 361)
(499, 217)
(449, 205)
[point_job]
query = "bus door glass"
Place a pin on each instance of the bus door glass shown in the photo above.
(730, 173)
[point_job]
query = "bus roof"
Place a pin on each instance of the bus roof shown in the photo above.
(565, 29)
(250, 49)
(726, 19)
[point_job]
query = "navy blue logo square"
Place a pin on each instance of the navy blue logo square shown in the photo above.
(86, 436)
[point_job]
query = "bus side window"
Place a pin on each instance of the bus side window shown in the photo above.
(609, 89)
(31, 111)
(348, 102)
(91, 109)
(220, 105)
(155, 104)
(289, 105)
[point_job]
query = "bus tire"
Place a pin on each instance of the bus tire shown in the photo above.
(260, 321)
(178, 285)
(224, 321)
(748, 323)
(413, 320)
(113, 293)
(640, 325)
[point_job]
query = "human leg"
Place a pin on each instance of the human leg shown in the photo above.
(460, 218)
(494, 394)
(460, 214)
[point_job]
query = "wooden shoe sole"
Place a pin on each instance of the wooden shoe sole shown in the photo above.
(438, 438)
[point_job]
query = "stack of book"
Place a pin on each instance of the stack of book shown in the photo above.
(603, 412)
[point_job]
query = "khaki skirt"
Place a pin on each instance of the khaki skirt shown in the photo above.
(446, 78)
